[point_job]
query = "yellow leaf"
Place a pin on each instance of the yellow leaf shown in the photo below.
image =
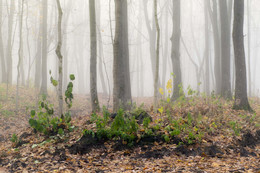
(161, 91)
(169, 85)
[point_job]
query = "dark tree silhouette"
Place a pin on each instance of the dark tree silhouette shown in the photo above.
(241, 100)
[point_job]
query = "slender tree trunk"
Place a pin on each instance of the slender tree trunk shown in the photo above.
(241, 100)
(249, 48)
(215, 25)
(93, 57)
(225, 50)
(165, 52)
(152, 39)
(122, 86)
(206, 52)
(156, 78)
(28, 46)
(59, 55)
(20, 52)
(2, 56)
(100, 52)
(175, 55)
(9, 44)
(44, 47)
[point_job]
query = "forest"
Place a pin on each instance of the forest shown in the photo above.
(129, 86)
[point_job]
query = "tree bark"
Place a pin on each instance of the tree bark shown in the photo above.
(156, 77)
(241, 100)
(93, 57)
(59, 55)
(175, 54)
(20, 53)
(44, 47)
(122, 87)
(206, 52)
(225, 50)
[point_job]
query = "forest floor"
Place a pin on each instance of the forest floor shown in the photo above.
(230, 140)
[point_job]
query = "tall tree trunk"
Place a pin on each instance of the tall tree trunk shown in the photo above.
(2, 56)
(152, 38)
(206, 51)
(165, 51)
(93, 57)
(20, 52)
(215, 25)
(249, 48)
(59, 55)
(28, 46)
(225, 50)
(241, 100)
(122, 87)
(9, 57)
(140, 53)
(44, 47)
(175, 54)
(156, 78)
(100, 52)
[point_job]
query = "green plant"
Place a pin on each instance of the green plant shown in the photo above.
(146, 122)
(235, 126)
(14, 139)
(45, 122)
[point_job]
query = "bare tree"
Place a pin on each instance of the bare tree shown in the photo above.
(175, 55)
(122, 87)
(156, 77)
(20, 52)
(206, 51)
(93, 57)
(2, 57)
(59, 55)
(151, 28)
(44, 47)
(9, 43)
(241, 100)
(225, 31)
(213, 13)
(38, 54)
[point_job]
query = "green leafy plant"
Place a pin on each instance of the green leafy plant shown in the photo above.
(45, 122)
(14, 139)
(235, 126)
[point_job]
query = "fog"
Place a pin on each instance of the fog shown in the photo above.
(76, 43)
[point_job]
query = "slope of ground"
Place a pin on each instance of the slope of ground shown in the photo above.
(230, 143)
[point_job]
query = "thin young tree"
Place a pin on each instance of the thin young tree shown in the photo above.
(20, 52)
(241, 100)
(38, 54)
(156, 77)
(122, 87)
(9, 55)
(44, 47)
(2, 57)
(59, 55)
(213, 14)
(175, 54)
(93, 57)
(206, 51)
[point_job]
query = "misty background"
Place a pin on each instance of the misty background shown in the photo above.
(76, 43)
